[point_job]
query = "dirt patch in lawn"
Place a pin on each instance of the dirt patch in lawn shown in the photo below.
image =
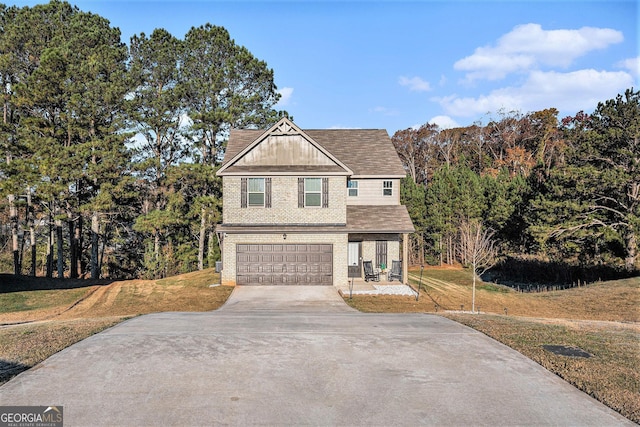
(36, 324)
(189, 292)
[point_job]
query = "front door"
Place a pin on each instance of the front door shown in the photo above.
(354, 259)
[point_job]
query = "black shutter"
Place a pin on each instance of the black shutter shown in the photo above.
(301, 192)
(325, 192)
(267, 192)
(243, 192)
(381, 253)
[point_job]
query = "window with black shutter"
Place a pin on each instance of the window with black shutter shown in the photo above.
(255, 192)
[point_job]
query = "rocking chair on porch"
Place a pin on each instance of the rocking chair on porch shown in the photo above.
(369, 273)
(396, 271)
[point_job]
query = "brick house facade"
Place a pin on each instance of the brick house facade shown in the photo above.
(307, 207)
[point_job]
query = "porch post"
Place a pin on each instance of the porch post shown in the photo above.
(405, 258)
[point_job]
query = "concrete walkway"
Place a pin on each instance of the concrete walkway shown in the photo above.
(299, 356)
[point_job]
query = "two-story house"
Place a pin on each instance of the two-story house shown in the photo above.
(307, 207)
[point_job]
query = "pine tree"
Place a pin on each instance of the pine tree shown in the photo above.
(68, 94)
(225, 86)
(157, 114)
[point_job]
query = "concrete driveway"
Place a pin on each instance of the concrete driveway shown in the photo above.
(299, 356)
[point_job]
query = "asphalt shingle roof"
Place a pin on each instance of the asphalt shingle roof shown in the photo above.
(379, 219)
(367, 152)
(360, 219)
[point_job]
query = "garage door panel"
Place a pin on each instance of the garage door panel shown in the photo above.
(284, 264)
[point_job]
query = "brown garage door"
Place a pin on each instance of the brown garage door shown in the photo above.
(284, 264)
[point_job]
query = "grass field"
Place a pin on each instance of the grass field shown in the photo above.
(602, 320)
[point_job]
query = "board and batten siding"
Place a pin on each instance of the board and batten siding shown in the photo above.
(370, 192)
(286, 150)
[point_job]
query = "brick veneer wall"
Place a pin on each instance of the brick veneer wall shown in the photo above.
(284, 202)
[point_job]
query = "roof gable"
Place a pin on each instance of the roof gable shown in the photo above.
(284, 148)
(367, 153)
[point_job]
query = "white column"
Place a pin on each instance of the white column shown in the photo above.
(405, 258)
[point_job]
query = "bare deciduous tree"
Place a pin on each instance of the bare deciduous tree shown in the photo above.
(478, 250)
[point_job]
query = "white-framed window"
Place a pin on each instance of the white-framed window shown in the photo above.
(313, 192)
(255, 192)
(387, 188)
(352, 187)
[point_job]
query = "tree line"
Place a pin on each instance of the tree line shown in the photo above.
(110, 151)
(555, 190)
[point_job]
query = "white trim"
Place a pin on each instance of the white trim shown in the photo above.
(385, 177)
(305, 191)
(355, 181)
(263, 192)
(288, 173)
(384, 188)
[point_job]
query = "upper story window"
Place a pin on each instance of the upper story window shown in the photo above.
(387, 188)
(255, 192)
(313, 192)
(352, 187)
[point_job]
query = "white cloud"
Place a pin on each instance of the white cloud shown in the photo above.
(444, 122)
(568, 92)
(415, 84)
(631, 64)
(528, 47)
(285, 96)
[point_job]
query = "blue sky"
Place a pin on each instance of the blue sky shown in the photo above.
(399, 64)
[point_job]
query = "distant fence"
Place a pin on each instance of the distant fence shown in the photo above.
(11, 283)
(531, 275)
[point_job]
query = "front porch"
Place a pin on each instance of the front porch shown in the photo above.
(383, 287)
